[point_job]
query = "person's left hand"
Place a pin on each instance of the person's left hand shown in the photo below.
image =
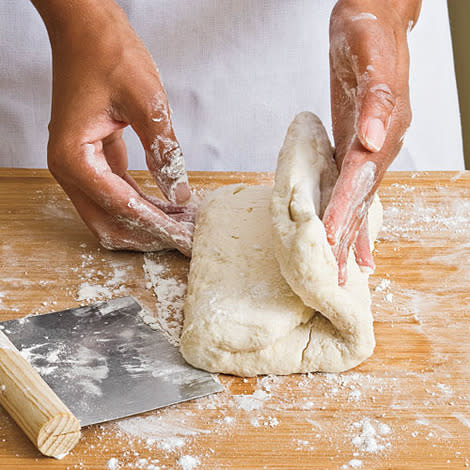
(369, 65)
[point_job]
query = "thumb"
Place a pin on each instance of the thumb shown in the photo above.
(150, 119)
(376, 104)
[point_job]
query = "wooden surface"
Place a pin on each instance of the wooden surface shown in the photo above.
(34, 406)
(414, 392)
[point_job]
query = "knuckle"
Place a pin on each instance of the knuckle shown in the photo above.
(384, 97)
(56, 158)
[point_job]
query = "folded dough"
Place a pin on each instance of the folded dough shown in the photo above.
(263, 296)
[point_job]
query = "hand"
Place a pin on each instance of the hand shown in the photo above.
(104, 79)
(369, 68)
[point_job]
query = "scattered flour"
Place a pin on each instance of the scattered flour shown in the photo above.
(95, 286)
(271, 422)
(175, 434)
(169, 290)
(88, 292)
(353, 463)
(86, 370)
(255, 401)
(188, 462)
(113, 463)
(165, 431)
(414, 218)
(370, 439)
(463, 419)
(384, 284)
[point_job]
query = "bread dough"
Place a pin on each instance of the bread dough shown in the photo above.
(262, 270)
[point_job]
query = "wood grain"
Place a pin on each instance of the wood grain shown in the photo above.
(416, 385)
(34, 406)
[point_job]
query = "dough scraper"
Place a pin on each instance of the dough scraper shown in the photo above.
(89, 365)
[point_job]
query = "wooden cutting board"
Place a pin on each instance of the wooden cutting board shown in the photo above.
(407, 407)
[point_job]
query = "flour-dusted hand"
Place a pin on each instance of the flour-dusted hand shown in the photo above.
(369, 69)
(104, 79)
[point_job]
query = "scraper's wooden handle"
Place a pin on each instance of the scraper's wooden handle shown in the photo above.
(39, 412)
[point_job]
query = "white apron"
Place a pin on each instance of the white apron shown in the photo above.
(236, 72)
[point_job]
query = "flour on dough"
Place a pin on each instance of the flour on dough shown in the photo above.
(262, 292)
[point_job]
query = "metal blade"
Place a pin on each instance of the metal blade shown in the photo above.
(105, 363)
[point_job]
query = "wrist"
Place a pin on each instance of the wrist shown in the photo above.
(68, 21)
(404, 13)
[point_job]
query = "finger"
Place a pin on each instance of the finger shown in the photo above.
(349, 204)
(115, 152)
(342, 260)
(342, 249)
(148, 113)
(166, 207)
(89, 171)
(115, 234)
(362, 249)
(382, 75)
(186, 213)
(375, 110)
(352, 191)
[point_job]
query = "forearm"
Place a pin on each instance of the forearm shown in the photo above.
(64, 19)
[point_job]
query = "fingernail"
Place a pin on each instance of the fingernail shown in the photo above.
(182, 193)
(374, 134)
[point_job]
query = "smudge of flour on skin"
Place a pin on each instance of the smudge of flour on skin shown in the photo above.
(98, 164)
(366, 178)
(160, 110)
(170, 162)
(341, 49)
(382, 88)
(170, 147)
(363, 183)
(364, 16)
(162, 226)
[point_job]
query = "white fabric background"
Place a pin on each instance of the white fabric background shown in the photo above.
(236, 72)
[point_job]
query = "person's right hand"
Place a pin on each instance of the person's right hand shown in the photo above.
(104, 79)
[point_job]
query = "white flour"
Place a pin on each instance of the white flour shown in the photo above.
(170, 291)
(251, 402)
(188, 462)
(164, 431)
(353, 463)
(113, 464)
(94, 288)
(85, 371)
(370, 438)
(375, 399)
